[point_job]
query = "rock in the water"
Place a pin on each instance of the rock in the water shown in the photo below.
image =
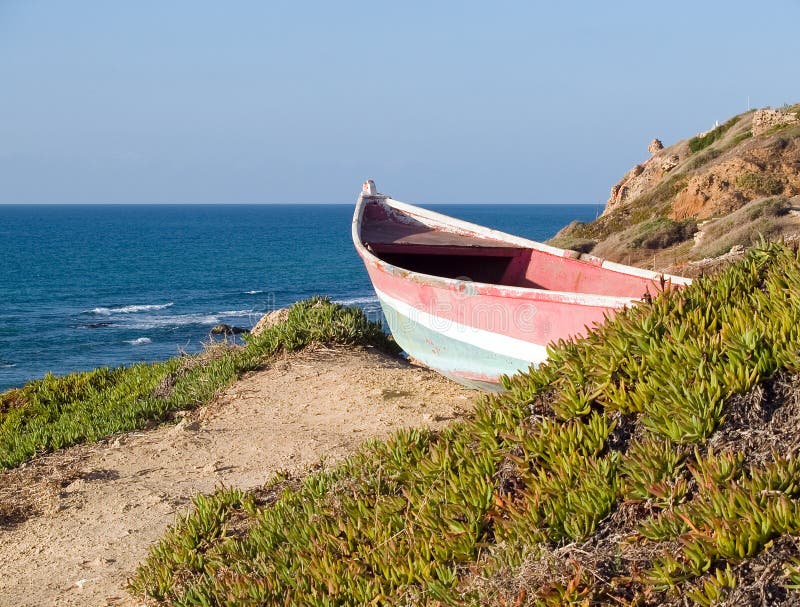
(96, 325)
(226, 330)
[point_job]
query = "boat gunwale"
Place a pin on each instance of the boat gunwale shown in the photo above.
(491, 289)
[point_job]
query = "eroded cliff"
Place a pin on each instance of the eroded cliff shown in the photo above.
(699, 197)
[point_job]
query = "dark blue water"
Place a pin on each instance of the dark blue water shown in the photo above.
(87, 286)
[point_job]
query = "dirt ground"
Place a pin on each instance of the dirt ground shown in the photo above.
(86, 516)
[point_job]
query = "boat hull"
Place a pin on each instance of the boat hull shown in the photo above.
(473, 336)
(451, 349)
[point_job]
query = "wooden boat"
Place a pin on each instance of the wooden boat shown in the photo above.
(474, 303)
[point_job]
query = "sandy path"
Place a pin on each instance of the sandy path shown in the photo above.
(103, 505)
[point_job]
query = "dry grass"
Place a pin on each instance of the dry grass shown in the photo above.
(766, 217)
(34, 488)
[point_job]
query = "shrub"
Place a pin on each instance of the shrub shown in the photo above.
(772, 208)
(652, 204)
(741, 137)
(702, 159)
(760, 184)
(581, 245)
(703, 141)
(663, 233)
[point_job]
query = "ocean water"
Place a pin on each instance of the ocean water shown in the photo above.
(83, 286)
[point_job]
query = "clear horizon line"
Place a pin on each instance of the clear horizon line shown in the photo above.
(17, 204)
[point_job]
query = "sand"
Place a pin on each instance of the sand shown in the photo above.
(88, 515)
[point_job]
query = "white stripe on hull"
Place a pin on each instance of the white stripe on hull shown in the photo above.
(479, 338)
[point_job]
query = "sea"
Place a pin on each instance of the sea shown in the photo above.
(84, 286)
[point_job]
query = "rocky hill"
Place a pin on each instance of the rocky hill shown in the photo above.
(700, 197)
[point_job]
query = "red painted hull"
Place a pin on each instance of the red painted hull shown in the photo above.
(475, 303)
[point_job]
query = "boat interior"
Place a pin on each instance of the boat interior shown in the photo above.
(408, 243)
(412, 245)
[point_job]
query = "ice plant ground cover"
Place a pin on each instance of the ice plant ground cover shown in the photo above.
(652, 461)
(56, 412)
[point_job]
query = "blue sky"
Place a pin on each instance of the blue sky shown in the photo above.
(271, 101)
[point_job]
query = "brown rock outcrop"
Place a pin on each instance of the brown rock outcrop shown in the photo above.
(765, 119)
(269, 319)
(709, 193)
(646, 175)
(756, 170)
(670, 162)
(735, 182)
(731, 176)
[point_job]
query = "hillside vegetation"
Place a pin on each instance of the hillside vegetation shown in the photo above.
(652, 462)
(700, 197)
(56, 412)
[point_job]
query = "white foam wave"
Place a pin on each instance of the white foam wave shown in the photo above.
(4, 365)
(179, 320)
(133, 309)
(357, 301)
(139, 341)
(236, 312)
(252, 292)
